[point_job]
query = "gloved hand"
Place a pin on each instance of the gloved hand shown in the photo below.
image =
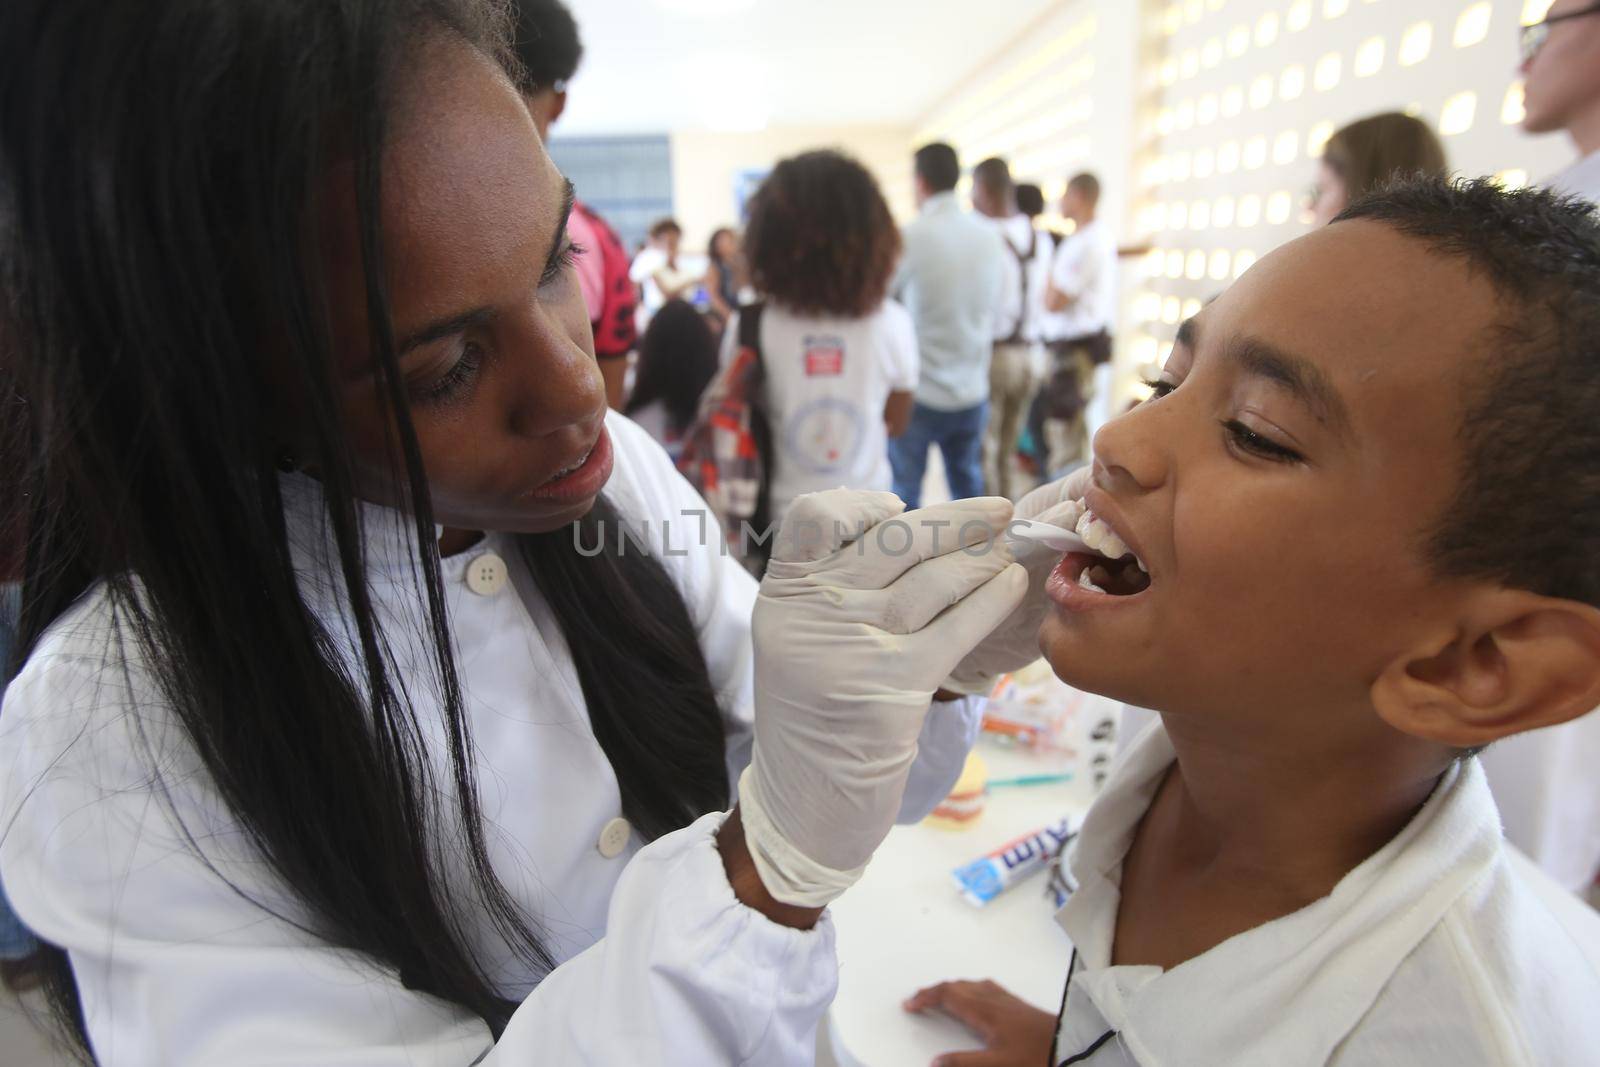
(1015, 642)
(853, 632)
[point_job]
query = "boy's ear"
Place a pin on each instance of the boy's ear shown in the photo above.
(1517, 661)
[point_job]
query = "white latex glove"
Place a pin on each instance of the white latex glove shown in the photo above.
(853, 634)
(1015, 642)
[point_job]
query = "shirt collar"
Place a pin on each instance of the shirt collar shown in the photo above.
(388, 535)
(940, 203)
(1291, 990)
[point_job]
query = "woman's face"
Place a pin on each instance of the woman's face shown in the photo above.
(727, 247)
(1329, 196)
(494, 342)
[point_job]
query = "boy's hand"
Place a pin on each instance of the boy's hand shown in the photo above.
(1014, 1033)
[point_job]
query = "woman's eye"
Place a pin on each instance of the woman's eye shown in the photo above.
(454, 383)
(1159, 387)
(1259, 444)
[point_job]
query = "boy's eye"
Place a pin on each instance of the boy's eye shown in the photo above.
(563, 259)
(1258, 444)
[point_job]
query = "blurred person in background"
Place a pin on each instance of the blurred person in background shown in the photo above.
(1545, 782)
(1017, 360)
(839, 356)
(677, 360)
(1030, 201)
(1365, 154)
(549, 49)
(657, 273)
(950, 278)
(724, 275)
(1561, 91)
(1080, 302)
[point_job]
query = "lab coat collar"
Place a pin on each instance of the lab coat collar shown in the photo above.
(940, 204)
(388, 535)
(1291, 990)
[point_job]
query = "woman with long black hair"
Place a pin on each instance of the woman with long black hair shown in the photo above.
(346, 727)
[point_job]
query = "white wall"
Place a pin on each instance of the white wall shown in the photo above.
(704, 166)
(1205, 118)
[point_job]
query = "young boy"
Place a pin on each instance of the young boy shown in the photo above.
(1367, 495)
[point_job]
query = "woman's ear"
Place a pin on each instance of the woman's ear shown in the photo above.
(1517, 661)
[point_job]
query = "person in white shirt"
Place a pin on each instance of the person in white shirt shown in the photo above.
(1017, 363)
(656, 272)
(951, 279)
(1545, 782)
(839, 358)
(1080, 302)
(1302, 863)
(386, 699)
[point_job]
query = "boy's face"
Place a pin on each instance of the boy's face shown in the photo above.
(1281, 493)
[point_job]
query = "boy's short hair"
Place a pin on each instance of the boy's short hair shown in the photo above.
(546, 43)
(1527, 511)
(1030, 199)
(993, 175)
(938, 166)
(664, 226)
(1087, 186)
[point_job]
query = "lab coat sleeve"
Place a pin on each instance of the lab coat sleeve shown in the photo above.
(721, 596)
(188, 952)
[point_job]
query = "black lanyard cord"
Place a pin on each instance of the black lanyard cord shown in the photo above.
(1061, 1017)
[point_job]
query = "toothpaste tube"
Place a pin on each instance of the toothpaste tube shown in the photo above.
(987, 877)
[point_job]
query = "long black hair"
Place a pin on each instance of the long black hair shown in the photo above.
(677, 360)
(160, 172)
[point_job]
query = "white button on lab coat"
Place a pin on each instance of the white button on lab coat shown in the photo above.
(658, 963)
(1443, 949)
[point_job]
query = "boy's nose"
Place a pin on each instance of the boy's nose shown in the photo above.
(1129, 454)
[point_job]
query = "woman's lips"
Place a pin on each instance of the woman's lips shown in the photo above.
(584, 482)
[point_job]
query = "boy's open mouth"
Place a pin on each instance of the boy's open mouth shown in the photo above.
(1111, 568)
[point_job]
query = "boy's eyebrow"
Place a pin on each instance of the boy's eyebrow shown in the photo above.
(1299, 376)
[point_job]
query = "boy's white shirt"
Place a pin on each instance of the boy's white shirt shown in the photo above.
(1444, 948)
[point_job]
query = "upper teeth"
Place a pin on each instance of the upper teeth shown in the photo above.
(568, 470)
(1103, 539)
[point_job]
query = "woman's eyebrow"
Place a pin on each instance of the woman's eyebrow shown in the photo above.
(442, 328)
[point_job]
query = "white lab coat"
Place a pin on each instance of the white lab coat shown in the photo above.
(1546, 782)
(1443, 949)
(659, 964)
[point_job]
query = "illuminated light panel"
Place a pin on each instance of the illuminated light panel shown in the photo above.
(1199, 215)
(1512, 179)
(1222, 212)
(1266, 29)
(1148, 307)
(1279, 207)
(1299, 16)
(1512, 111)
(1329, 69)
(1174, 264)
(1232, 101)
(1332, 9)
(1154, 261)
(1189, 63)
(1416, 44)
(1228, 158)
(1473, 25)
(1317, 139)
(1534, 11)
(1165, 121)
(1216, 5)
(1243, 260)
(1180, 166)
(1220, 262)
(1255, 153)
(1211, 53)
(1191, 308)
(1286, 147)
(1458, 113)
(1206, 113)
(1171, 308)
(1194, 11)
(1261, 92)
(1185, 118)
(1205, 163)
(1369, 57)
(1249, 210)
(1292, 83)
(1238, 40)
(1178, 215)
(1145, 351)
(1169, 73)
(1195, 266)
(1172, 20)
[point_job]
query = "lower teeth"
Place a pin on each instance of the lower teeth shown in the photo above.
(1088, 583)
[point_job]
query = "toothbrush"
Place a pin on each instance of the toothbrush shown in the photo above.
(1025, 535)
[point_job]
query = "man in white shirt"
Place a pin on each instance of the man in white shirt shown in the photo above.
(950, 279)
(1545, 782)
(1080, 302)
(1016, 363)
(655, 270)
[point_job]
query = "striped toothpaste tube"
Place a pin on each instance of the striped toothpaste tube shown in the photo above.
(988, 876)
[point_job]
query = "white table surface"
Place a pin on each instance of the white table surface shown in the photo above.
(905, 926)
